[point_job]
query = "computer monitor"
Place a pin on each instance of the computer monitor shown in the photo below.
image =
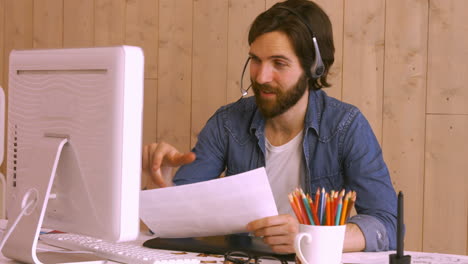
(74, 144)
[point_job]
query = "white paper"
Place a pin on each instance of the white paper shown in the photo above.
(416, 257)
(216, 207)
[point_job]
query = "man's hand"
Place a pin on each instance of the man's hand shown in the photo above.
(160, 158)
(277, 231)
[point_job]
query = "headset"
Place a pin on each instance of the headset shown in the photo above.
(316, 70)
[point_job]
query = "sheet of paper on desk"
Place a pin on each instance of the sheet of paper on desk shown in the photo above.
(416, 257)
(216, 207)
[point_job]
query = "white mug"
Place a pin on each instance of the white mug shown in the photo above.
(319, 244)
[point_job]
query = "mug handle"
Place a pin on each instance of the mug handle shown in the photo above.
(297, 245)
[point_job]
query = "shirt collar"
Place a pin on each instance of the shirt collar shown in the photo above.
(312, 119)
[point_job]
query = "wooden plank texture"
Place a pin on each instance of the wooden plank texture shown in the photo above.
(142, 30)
(78, 23)
(175, 73)
(270, 3)
(209, 62)
(48, 24)
(150, 111)
(363, 55)
(447, 91)
(403, 63)
(334, 10)
(2, 37)
(404, 107)
(445, 196)
(3, 167)
(109, 22)
(238, 47)
(18, 30)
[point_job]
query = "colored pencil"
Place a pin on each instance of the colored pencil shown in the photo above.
(338, 212)
(351, 202)
(298, 204)
(295, 209)
(332, 207)
(345, 207)
(328, 210)
(316, 202)
(303, 210)
(314, 212)
(307, 207)
(322, 206)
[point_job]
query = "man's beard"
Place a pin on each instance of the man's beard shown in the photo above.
(284, 99)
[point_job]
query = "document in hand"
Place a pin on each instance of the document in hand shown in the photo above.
(216, 207)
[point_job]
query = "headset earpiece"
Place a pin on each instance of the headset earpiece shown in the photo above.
(318, 68)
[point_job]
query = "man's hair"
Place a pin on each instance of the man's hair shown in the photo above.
(279, 19)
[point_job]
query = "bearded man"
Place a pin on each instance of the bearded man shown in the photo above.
(292, 128)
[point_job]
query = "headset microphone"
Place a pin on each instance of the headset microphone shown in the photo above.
(244, 92)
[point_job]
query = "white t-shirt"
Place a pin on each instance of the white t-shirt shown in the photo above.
(286, 170)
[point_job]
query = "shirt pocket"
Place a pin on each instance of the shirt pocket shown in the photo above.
(330, 180)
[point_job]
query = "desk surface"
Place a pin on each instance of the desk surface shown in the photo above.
(354, 258)
(351, 258)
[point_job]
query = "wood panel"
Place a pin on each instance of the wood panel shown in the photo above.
(175, 73)
(447, 68)
(18, 30)
(195, 49)
(404, 107)
(142, 30)
(2, 37)
(238, 47)
(270, 3)
(48, 24)
(335, 10)
(445, 196)
(363, 55)
(150, 111)
(109, 22)
(78, 23)
(2, 168)
(209, 62)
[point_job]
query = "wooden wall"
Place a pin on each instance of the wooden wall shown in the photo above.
(402, 62)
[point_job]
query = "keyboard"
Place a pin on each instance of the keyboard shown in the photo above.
(124, 252)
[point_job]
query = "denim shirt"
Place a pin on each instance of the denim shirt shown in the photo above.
(340, 151)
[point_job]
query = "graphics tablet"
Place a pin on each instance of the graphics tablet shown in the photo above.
(217, 245)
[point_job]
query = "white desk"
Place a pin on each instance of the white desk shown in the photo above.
(361, 258)
(352, 258)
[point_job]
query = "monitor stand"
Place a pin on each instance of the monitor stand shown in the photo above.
(22, 244)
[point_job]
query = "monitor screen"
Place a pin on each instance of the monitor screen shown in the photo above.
(74, 143)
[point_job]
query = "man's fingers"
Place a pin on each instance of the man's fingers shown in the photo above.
(283, 229)
(179, 159)
(279, 240)
(157, 156)
(158, 178)
(277, 231)
(270, 221)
